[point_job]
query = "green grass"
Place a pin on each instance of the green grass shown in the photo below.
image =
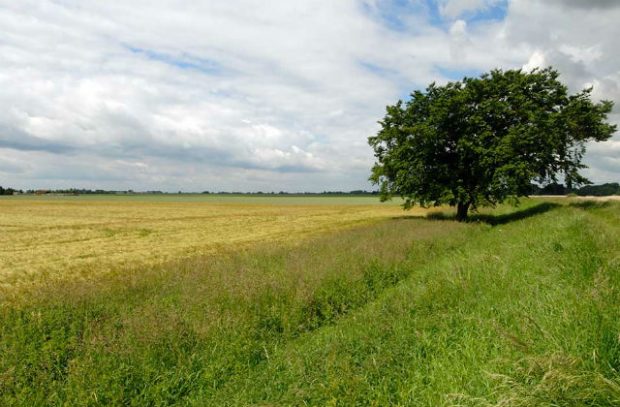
(404, 312)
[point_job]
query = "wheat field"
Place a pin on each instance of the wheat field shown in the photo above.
(51, 238)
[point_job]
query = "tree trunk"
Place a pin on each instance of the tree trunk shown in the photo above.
(461, 211)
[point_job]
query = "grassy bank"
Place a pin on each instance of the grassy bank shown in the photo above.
(519, 309)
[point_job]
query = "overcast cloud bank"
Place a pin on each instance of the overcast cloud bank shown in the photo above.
(260, 95)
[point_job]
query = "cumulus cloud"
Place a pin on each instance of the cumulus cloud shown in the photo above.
(253, 95)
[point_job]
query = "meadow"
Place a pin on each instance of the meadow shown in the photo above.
(518, 307)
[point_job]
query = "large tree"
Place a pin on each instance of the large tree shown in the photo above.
(481, 140)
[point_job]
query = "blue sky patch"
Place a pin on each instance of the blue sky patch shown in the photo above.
(182, 61)
(397, 14)
(377, 70)
(495, 12)
(457, 74)
(394, 13)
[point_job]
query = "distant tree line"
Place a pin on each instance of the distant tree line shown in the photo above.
(607, 189)
(612, 188)
(9, 191)
(331, 193)
(84, 191)
(78, 191)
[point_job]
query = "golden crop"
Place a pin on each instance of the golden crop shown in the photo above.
(77, 238)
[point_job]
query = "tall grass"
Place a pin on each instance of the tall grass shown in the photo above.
(409, 312)
(524, 315)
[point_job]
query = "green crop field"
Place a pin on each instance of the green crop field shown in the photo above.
(310, 302)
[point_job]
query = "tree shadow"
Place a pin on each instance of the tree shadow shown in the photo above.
(499, 219)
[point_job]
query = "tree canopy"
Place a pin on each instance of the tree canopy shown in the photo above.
(481, 140)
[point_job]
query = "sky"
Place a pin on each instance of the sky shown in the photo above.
(269, 95)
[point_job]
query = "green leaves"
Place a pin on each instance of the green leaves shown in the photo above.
(484, 139)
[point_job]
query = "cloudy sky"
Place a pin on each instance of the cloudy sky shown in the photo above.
(260, 94)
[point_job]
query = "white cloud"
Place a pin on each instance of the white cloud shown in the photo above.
(251, 94)
(537, 60)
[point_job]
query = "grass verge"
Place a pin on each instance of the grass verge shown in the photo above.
(405, 312)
